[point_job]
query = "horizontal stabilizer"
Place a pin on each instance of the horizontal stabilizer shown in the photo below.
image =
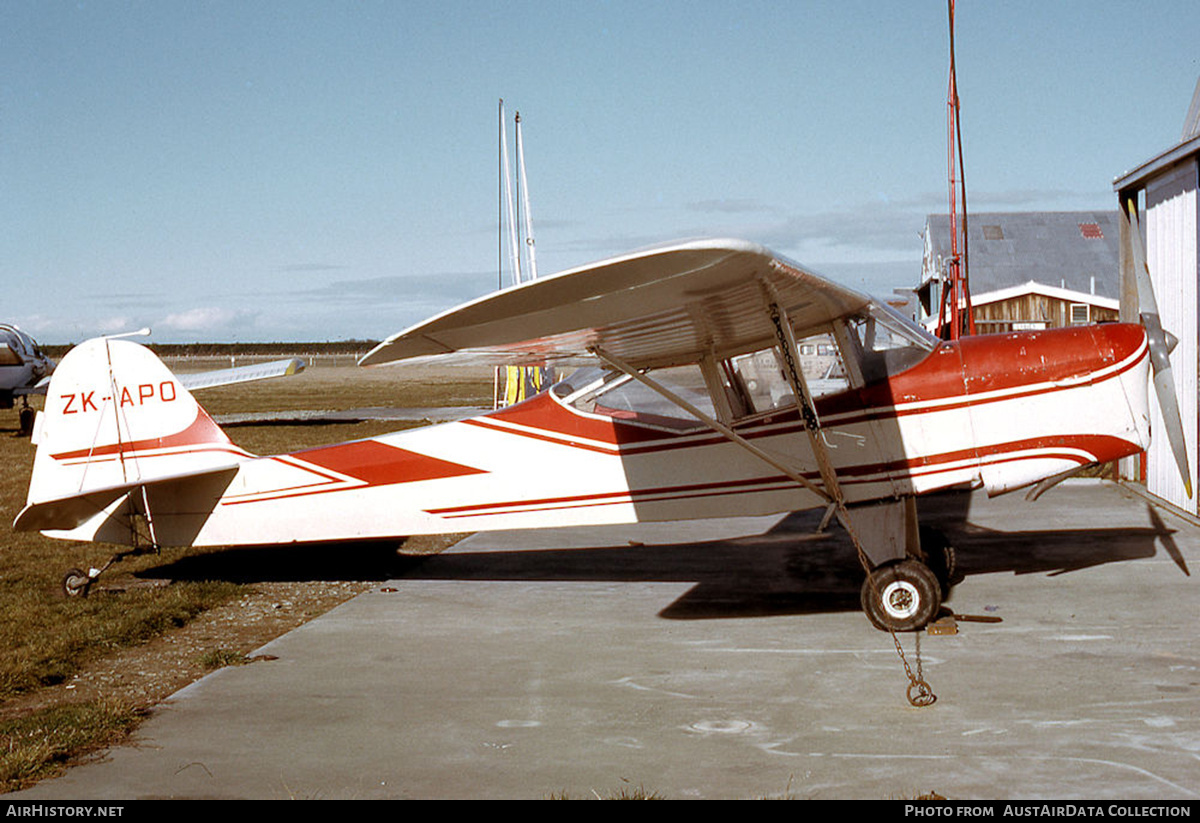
(68, 512)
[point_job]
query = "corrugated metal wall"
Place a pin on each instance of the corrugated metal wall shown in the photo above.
(1171, 247)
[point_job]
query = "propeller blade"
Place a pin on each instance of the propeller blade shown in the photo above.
(1168, 404)
(1161, 343)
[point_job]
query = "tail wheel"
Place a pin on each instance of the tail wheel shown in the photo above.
(903, 596)
(76, 583)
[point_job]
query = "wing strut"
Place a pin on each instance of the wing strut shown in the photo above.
(919, 692)
(786, 339)
(623, 367)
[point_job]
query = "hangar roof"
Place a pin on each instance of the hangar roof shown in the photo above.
(1076, 250)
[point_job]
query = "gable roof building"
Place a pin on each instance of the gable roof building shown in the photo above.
(1029, 269)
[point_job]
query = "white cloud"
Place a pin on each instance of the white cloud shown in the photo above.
(207, 319)
(116, 325)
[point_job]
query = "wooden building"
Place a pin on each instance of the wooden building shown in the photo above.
(1029, 270)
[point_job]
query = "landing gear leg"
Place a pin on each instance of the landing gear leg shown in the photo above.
(900, 593)
(25, 418)
(940, 558)
(78, 583)
(908, 568)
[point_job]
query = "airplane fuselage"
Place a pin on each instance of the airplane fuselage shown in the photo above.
(994, 411)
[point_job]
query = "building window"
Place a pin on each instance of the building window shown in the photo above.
(1079, 314)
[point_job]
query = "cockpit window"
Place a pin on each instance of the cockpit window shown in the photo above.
(612, 394)
(880, 343)
(18, 343)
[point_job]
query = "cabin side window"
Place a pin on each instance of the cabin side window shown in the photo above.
(854, 351)
(9, 357)
(613, 394)
(760, 379)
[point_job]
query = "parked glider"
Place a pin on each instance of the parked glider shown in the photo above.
(699, 407)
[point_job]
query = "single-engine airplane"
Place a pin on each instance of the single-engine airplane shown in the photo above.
(697, 407)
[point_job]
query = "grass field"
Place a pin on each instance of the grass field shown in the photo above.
(46, 638)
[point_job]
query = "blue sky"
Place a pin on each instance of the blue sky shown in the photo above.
(328, 170)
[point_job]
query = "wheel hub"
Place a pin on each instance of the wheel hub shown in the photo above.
(901, 599)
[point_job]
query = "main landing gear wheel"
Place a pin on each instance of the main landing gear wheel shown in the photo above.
(902, 596)
(76, 583)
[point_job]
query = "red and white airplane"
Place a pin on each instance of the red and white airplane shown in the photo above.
(698, 407)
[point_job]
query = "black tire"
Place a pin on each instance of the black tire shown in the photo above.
(76, 584)
(25, 419)
(903, 596)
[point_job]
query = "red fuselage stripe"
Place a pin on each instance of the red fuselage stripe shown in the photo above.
(1098, 449)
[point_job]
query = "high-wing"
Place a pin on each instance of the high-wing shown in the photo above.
(660, 307)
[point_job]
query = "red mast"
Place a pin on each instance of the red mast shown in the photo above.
(955, 317)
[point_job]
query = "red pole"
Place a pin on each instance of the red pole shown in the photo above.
(956, 292)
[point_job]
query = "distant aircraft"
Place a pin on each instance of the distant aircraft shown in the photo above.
(25, 370)
(679, 420)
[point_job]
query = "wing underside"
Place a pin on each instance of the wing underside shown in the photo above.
(661, 307)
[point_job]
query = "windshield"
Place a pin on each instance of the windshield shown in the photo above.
(888, 342)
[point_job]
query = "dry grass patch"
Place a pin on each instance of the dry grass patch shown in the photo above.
(36, 746)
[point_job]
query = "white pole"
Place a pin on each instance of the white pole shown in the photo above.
(513, 246)
(524, 188)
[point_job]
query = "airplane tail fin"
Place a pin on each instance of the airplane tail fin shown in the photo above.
(115, 419)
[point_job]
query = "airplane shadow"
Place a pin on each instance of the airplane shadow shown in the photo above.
(359, 561)
(788, 570)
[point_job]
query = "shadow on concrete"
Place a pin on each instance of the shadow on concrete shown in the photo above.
(358, 561)
(788, 570)
(1053, 552)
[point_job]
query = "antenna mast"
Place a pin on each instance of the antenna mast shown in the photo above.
(956, 293)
